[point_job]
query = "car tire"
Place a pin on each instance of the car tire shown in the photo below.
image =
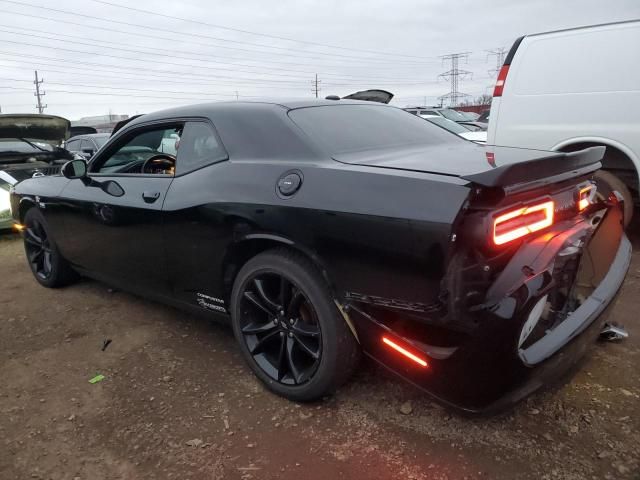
(48, 266)
(308, 308)
(607, 182)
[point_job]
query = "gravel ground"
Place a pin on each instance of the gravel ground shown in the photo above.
(178, 402)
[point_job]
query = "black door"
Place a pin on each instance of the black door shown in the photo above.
(113, 219)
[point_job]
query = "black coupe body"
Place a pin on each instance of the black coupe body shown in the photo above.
(321, 229)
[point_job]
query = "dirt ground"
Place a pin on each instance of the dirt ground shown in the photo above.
(178, 402)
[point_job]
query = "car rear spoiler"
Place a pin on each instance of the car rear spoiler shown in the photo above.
(552, 168)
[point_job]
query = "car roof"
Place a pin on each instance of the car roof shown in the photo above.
(205, 109)
(584, 27)
(89, 135)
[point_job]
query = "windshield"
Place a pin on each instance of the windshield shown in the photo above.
(101, 140)
(27, 145)
(356, 128)
(453, 127)
(452, 114)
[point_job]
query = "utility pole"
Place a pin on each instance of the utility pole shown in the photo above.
(237, 96)
(316, 86)
(39, 94)
(499, 53)
(453, 75)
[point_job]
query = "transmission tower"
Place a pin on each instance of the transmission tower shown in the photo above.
(39, 94)
(454, 75)
(316, 86)
(499, 53)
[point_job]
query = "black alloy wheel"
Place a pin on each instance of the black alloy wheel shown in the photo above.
(290, 331)
(49, 268)
(38, 248)
(280, 328)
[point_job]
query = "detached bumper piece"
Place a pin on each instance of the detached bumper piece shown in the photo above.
(538, 318)
(613, 333)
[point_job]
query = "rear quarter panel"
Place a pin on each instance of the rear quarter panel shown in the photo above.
(372, 231)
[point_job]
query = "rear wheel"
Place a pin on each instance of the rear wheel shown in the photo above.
(290, 331)
(607, 182)
(47, 264)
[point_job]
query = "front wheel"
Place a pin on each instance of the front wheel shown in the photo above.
(48, 266)
(289, 330)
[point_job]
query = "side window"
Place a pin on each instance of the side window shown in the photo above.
(73, 145)
(138, 147)
(199, 146)
(87, 145)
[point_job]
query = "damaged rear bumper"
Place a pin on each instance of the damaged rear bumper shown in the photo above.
(491, 367)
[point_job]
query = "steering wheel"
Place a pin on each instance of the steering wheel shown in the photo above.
(160, 164)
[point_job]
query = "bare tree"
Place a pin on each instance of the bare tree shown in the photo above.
(484, 99)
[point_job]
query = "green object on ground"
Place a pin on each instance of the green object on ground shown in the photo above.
(97, 378)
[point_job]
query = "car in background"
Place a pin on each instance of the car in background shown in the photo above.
(473, 116)
(372, 95)
(448, 113)
(571, 89)
(87, 145)
(484, 117)
(478, 136)
(29, 147)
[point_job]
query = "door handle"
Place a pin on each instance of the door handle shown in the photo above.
(150, 197)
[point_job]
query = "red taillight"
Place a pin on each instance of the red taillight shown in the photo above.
(502, 77)
(521, 222)
(405, 352)
(585, 197)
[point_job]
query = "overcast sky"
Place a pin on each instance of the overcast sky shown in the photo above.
(101, 56)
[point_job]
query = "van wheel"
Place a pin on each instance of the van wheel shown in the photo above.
(48, 266)
(288, 327)
(607, 182)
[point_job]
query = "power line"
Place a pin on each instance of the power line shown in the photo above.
(82, 40)
(238, 30)
(189, 34)
(66, 84)
(453, 75)
(38, 94)
(174, 77)
(178, 74)
(344, 77)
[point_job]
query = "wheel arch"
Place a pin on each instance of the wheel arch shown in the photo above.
(250, 245)
(25, 204)
(623, 157)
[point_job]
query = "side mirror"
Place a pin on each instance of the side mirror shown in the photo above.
(74, 169)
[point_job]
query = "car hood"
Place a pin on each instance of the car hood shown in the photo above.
(46, 128)
(456, 159)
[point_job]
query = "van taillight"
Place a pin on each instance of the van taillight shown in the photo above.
(502, 77)
(523, 221)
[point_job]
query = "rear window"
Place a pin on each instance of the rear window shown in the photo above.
(355, 128)
(447, 124)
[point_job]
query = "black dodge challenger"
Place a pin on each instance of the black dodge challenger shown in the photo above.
(323, 229)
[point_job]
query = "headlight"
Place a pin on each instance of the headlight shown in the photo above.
(5, 202)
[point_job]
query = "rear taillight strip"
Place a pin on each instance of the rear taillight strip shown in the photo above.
(521, 222)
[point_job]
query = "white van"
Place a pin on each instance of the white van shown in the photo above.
(572, 89)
